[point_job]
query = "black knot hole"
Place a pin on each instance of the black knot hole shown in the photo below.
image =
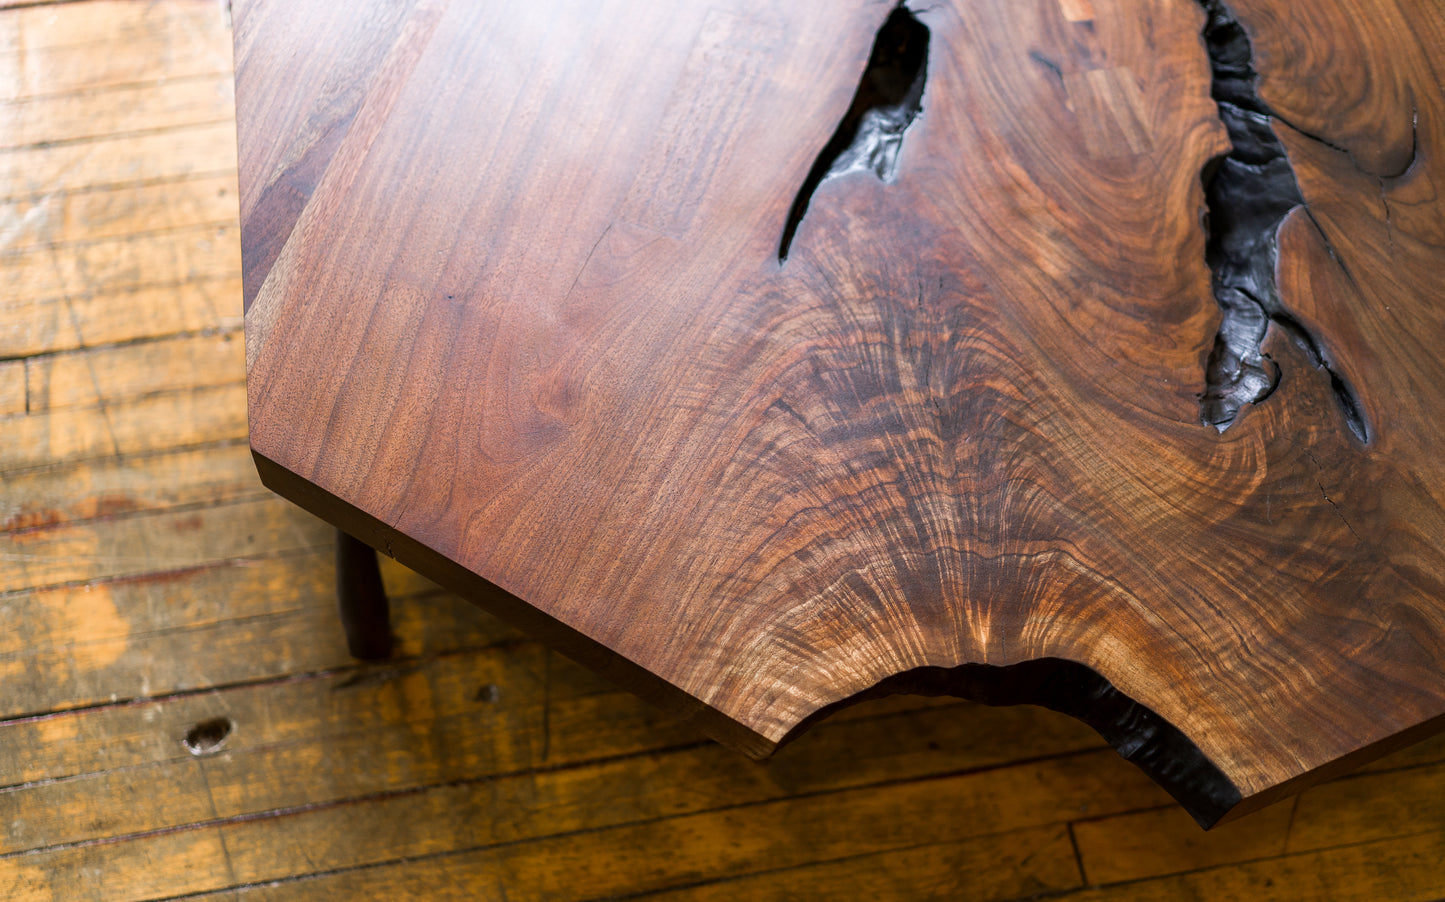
(209, 736)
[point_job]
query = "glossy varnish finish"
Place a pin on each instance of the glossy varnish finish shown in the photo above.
(517, 316)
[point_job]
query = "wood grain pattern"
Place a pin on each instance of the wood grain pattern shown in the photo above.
(165, 593)
(516, 316)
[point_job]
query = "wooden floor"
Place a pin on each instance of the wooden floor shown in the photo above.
(179, 716)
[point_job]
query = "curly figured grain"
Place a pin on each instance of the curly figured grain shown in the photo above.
(529, 332)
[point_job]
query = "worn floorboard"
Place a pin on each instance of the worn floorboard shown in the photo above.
(151, 587)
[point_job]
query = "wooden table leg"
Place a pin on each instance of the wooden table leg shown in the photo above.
(365, 612)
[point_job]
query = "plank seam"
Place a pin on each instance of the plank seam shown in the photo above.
(1078, 855)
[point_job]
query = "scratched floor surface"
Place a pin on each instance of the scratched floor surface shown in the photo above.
(178, 715)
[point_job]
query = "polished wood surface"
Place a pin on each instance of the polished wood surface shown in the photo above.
(1107, 381)
(151, 586)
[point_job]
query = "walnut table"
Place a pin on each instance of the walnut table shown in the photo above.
(764, 356)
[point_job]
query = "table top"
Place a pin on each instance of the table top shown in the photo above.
(767, 356)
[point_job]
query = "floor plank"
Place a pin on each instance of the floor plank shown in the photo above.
(126, 262)
(38, 58)
(1409, 868)
(37, 25)
(94, 378)
(142, 426)
(561, 841)
(129, 108)
(91, 489)
(63, 218)
(1022, 864)
(109, 315)
(33, 172)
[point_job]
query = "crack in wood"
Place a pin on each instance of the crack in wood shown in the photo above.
(1248, 193)
(888, 99)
